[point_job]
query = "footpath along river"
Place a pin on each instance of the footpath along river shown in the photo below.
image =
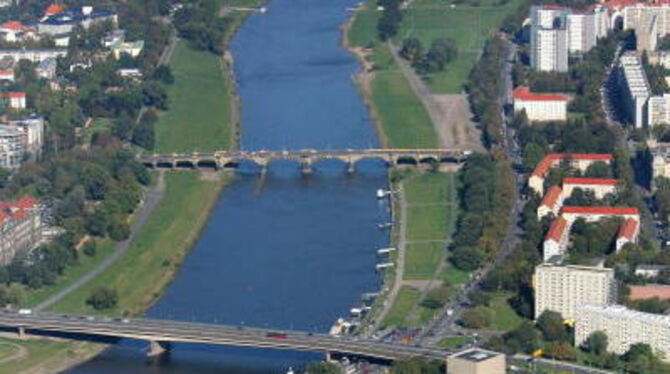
(281, 250)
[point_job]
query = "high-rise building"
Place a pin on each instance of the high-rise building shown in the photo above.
(563, 288)
(21, 227)
(549, 38)
(476, 361)
(585, 28)
(623, 327)
(634, 87)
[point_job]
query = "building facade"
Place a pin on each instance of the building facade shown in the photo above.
(623, 327)
(21, 227)
(580, 161)
(476, 361)
(548, 38)
(563, 289)
(540, 106)
(599, 186)
(634, 88)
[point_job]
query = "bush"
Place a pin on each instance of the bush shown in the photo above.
(90, 248)
(103, 298)
(477, 317)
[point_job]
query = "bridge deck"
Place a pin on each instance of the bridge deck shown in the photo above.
(179, 331)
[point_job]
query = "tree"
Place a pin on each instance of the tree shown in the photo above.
(144, 135)
(416, 365)
(477, 317)
(411, 49)
(562, 350)
(551, 325)
(524, 338)
(90, 248)
(163, 73)
(123, 126)
(596, 343)
(103, 298)
(467, 258)
(322, 368)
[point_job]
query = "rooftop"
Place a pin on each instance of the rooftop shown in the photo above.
(556, 229)
(547, 161)
(620, 311)
(606, 210)
(551, 197)
(598, 181)
(476, 355)
(523, 93)
(627, 229)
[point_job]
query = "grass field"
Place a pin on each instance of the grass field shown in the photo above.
(422, 260)
(84, 264)
(157, 251)
(452, 341)
(404, 121)
(199, 115)
(407, 298)
(39, 350)
(467, 25)
(504, 317)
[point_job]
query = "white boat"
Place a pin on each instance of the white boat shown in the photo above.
(290, 371)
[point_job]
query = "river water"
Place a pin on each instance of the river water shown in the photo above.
(280, 250)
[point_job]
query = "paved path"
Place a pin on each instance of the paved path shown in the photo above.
(152, 197)
(400, 262)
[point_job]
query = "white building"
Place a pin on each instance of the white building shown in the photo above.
(551, 202)
(556, 241)
(548, 38)
(628, 233)
(14, 100)
(65, 21)
(649, 271)
(585, 28)
(540, 106)
(623, 327)
(12, 147)
(21, 227)
(133, 49)
(633, 83)
(580, 161)
(599, 186)
(32, 54)
(596, 213)
(32, 126)
(658, 110)
(563, 289)
(7, 75)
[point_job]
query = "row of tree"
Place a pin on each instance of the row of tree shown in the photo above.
(389, 22)
(441, 52)
(486, 194)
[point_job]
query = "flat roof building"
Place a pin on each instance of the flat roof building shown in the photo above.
(633, 83)
(476, 361)
(563, 288)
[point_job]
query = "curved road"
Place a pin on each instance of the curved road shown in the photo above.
(152, 197)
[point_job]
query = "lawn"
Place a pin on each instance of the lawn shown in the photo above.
(84, 265)
(97, 125)
(467, 25)
(453, 341)
(405, 122)
(157, 251)
(430, 188)
(200, 104)
(422, 260)
(39, 350)
(404, 302)
(504, 317)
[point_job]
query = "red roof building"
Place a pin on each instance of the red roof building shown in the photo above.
(649, 291)
(556, 229)
(52, 8)
(523, 93)
(551, 202)
(593, 181)
(599, 186)
(601, 210)
(579, 161)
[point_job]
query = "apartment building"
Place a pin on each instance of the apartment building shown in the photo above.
(549, 38)
(623, 327)
(563, 289)
(21, 227)
(627, 233)
(596, 213)
(634, 87)
(580, 161)
(540, 106)
(12, 147)
(476, 361)
(556, 240)
(32, 54)
(658, 110)
(585, 27)
(551, 202)
(599, 186)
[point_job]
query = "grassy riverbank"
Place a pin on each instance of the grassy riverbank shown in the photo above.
(154, 256)
(200, 104)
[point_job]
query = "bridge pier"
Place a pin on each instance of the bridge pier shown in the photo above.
(21, 332)
(306, 167)
(351, 167)
(157, 348)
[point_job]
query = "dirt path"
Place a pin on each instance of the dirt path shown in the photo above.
(400, 261)
(21, 353)
(450, 114)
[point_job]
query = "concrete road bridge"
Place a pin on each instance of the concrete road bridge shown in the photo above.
(305, 158)
(162, 332)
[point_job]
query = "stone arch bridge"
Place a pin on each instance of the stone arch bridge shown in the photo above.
(305, 158)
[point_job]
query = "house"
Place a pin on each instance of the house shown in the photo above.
(46, 68)
(129, 73)
(14, 100)
(65, 21)
(113, 37)
(133, 49)
(596, 213)
(32, 54)
(540, 106)
(551, 202)
(7, 75)
(556, 241)
(628, 232)
(650, 271)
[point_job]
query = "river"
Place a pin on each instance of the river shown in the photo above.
(280, 250)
